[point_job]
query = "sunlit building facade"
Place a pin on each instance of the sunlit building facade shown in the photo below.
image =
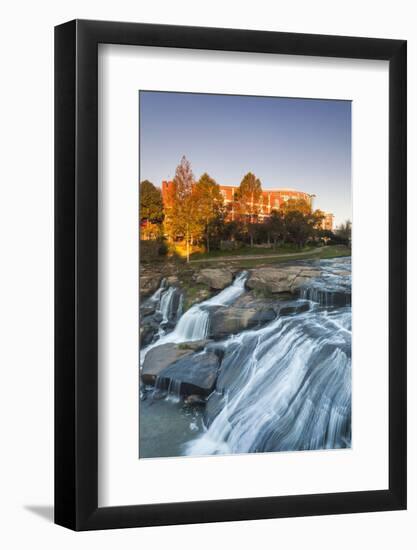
(271, 199)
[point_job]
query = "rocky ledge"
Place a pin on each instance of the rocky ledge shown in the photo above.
(225, 321)
(189, 365)
(280, 279)
(215, 278)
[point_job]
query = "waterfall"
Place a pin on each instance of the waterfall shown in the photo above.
(283, 387)
(194, 323)
(333, 288)
(230, 293)
(287, 386)
(166, 303)
(172, 391)
(156, 296)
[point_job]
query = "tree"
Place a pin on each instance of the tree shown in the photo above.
(276, 226)
(247, 203)
(344, 232)
(298, 228)
(209, 202)
(296, 205)
(181, 219)
(151, 207)
(325, 235)
(301, 223)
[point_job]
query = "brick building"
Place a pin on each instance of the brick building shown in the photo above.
(271, 199)
(328, 222)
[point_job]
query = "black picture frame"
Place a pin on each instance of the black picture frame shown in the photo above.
(76, 272)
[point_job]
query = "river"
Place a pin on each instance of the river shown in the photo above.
(285, 386)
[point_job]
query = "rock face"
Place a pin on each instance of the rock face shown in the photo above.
(292, 307)
(195, 345)
(149, 283)
(276, 280)
(159, 358)
(146, 333)
(215, 278)
(196, 297)
(148, 308)
(195, 375)
(231, 320)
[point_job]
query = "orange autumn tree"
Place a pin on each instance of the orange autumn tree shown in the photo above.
(181, 214)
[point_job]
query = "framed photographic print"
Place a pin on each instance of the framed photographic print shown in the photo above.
(230, 337)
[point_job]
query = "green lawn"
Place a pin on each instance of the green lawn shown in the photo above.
(248, 251)
(326, 252)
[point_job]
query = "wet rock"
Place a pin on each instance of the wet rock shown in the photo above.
(327, 297)
(194, 399)
(232, 320)
(195, 375)
(215, 278)
(214, 406)
(149, 283)
(148, 308)
(289, 308)
(147, 332)
(276, 280)
(194, 345)
(195, 297)
(159, 358)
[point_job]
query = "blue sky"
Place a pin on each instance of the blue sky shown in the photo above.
(303, 144)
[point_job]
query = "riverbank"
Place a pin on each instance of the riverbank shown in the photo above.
(274, 338)
(178, 272)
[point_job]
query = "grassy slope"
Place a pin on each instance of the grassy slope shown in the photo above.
(248, 251)
(325, 252)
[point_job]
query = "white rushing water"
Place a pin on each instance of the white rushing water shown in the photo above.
(286, 386)
(194, 324)
(283, 387)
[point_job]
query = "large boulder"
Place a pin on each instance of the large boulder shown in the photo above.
(282, 305)
(215, 278)
(280, 279)
(225, 321)
(160, 357)
(192, 375)
(147, 332)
